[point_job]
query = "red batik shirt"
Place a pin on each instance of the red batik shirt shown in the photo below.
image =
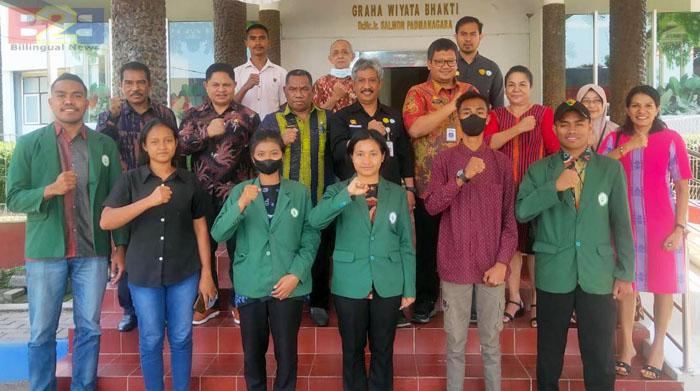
(323, 89)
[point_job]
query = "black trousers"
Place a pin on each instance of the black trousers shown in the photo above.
(213, 211)
(124, 295)
(283, 318)
(320, 270)
(427, 281)
(596, 318)
(359, 319)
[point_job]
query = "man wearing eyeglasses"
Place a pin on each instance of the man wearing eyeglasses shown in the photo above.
(430, 117)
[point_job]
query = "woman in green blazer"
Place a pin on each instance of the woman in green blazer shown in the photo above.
(374, 265)
(275, 248)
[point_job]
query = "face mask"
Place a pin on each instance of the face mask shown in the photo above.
(473, 125)
(341, 73)
(268, 166)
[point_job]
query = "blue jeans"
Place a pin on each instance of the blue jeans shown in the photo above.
(152, 306)
(46, 286)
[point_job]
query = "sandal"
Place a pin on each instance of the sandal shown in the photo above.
(650, 373)
(507, 317)
(533, 320)
(622, 368)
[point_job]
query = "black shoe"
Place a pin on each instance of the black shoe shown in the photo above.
(319, 316)
(127, 323)
(473, 317)
(401, 321)
(423, 311)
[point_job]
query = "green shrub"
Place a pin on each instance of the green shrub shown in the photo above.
(6, 149)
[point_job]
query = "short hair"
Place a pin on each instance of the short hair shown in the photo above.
(256, 26)
(658, 125)
(468, 19)
(135, 66)
(367, 63)
(519, 69)
(220, 67)
(298, 72)
(366, 134)
(144, 159)
(441, 44)
(71, 77)
(471, 95)
(267, 134)
(341, 40)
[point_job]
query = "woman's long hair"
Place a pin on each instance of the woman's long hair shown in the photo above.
(658, 125)
(144, 159)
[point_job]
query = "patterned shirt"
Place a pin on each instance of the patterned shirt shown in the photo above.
(423, 99)
(323, 89)
(73, 155)
(308, 159)
(579, 165)
(477, 225)
(126, 128)
(223, 161)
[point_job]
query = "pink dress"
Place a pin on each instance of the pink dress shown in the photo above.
(649, 172)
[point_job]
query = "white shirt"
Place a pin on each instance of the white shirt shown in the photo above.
(268, 95)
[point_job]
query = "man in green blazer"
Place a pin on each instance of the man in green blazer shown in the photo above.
(59, 176)
(583, 247)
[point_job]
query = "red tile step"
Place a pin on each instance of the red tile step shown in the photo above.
(414, 372)
(221, 336)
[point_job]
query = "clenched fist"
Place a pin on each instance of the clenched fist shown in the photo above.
(568, 179)
(115, 106)
(253, 80)
(356, 187)
(290, 136)
(526, 124)
(65, 182)
(250, 192)
(339, 90)
(216, 127)
(378, 126)
(474, 166)
(161, 195)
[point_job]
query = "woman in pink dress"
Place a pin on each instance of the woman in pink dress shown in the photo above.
(654, 157)
(524, 132)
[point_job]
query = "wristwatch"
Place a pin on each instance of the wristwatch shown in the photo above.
(460, 175)
(411, 189)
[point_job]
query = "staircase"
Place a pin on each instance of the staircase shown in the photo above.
(419, 356)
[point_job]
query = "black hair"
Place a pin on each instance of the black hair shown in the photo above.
(298, 72)
(442, 44)
(256, 26)
(71, 77)
(220, 67)
(468, 19)
(261, 135)
(366, 134)
(658, 125)
(144, 159)
(471, 95)
(135, 66)
(519, 69)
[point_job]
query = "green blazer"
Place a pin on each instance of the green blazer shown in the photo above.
(578, 247)
(34, 165)
(366, 254)
(268, 250)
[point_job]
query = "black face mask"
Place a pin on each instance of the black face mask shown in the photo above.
(473, 125)
(268, 166)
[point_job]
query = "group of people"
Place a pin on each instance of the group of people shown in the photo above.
(331, 174)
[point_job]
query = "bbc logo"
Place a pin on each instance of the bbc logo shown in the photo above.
(56, 25)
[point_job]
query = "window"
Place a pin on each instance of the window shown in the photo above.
(35, 100)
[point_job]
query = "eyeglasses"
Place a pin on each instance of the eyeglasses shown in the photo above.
(450, 63)
(589, 102)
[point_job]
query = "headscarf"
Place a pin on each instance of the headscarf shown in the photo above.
(601, 126)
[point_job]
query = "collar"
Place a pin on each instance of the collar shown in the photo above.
(437, 88)
(268, 64)
(207, 105)
(288, 111)
(357, 107)
(569, 160)
(479, 151)
(474, 61)
(126, 107)
(58, 127)
(145, 172)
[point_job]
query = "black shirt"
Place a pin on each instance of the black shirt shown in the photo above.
(270, 194)
(485, 75)
(162, 246)
(397, 164)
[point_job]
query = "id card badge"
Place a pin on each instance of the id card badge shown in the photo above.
(390, 145)
(451, 135)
